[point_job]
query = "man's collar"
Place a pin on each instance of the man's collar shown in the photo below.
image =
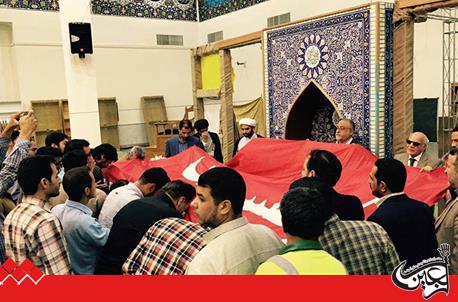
(379, 202)
(78, 206)
(347, 142)
(333, 219)
(417, 158)
(224, 228)
(34, 201)
(301, 245)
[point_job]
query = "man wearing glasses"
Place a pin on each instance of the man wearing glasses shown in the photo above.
(416, 155)
(344, 131)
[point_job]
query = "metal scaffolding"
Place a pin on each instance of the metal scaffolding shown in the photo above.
(448, 112)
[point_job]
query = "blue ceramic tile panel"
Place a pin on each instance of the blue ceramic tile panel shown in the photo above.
(335, 52)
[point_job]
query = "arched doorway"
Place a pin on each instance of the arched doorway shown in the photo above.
(312, 116)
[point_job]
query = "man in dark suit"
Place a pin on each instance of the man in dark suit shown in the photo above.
(326, 167)
(134, 219)
(183, 141)
(210, 140)
(408, 222)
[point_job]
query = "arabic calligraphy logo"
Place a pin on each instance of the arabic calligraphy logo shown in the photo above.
(313, 56)
(431, 274)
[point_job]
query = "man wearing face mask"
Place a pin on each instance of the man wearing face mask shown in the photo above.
(248, 128)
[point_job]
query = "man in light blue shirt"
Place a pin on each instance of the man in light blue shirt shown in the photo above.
(85, 236)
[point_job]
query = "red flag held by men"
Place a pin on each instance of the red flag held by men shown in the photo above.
(269, 166)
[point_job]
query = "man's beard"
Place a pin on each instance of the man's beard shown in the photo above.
(248, 135)
(55, 193)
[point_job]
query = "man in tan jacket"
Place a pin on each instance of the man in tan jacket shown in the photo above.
(416, 155)
(447, 223)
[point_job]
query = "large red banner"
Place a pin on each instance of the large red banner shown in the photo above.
(269, 166)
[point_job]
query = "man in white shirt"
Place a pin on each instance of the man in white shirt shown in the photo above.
(248, 128)
(150, 182)
(233, 246)
(416, 155)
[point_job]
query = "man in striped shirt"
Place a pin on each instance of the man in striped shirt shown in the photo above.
(29, 230)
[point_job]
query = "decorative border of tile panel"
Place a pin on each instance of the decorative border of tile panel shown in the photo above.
(213, 8)
(184, 10)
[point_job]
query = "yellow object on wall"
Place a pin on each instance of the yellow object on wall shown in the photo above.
(211, 76)
(211, 72)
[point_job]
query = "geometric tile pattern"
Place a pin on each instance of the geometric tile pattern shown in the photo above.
(339, 52)
(213, 8)
(159, 9)
(332, 51)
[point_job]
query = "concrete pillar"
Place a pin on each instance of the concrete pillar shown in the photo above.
(80, 76)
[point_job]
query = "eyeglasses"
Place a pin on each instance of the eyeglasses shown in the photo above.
(342, 128)
(416, 144)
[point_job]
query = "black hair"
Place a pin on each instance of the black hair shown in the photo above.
(76, 144)
(302, 213)
(185, 123)
(118, 184)
(54, 138)
(225, 184)
(326, 165)
(352, 124)
(49, 151)
(455, 129)
(178, 188)
(201, 124)
(32, 170)
(392, 172)
(108, 150)
(75, 181)
(157, 176)
(14, 135)
(324, 188)
(74, 159)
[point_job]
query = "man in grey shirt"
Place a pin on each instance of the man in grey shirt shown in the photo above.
(233, 246)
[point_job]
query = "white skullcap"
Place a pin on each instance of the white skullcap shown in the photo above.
(247, 121)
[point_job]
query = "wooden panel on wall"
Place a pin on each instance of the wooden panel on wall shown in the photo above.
(153, 111)
(66, 118)
(49, 116)
(108, 116)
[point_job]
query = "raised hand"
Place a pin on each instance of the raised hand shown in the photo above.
(27, 125)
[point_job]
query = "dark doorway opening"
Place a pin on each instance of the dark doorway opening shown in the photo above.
(312, 116)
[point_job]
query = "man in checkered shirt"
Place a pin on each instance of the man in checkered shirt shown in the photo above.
(166, 249)
(29, 230)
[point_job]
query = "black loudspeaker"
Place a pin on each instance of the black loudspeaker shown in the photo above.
(80, 38)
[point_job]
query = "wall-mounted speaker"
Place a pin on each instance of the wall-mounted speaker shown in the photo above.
(80, 38)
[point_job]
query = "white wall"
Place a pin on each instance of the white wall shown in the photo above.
(129, 63)
(428, 60)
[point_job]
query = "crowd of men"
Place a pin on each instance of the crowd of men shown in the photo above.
(58, 211)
